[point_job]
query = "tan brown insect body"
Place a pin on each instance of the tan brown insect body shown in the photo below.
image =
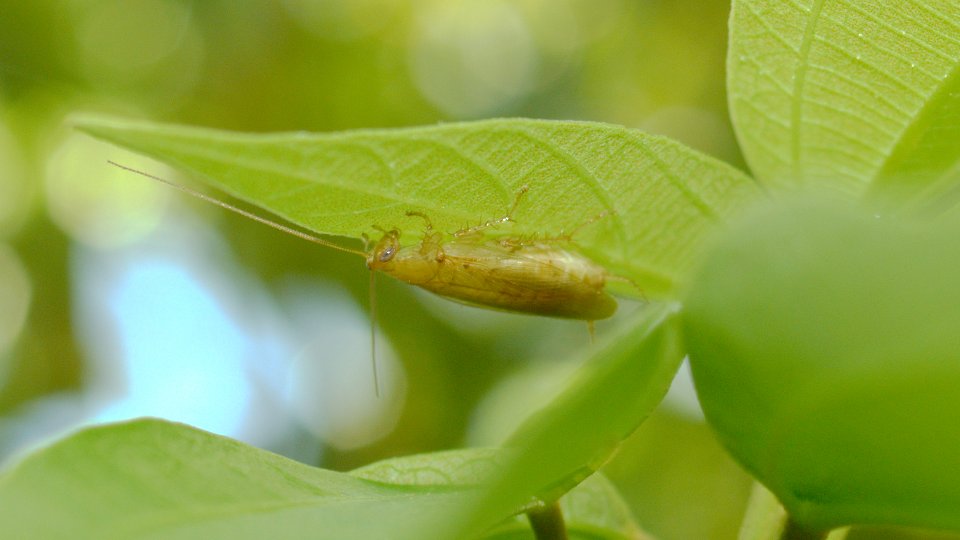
(528, 278)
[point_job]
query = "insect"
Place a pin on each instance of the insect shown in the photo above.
(524, 276)
(535, 277)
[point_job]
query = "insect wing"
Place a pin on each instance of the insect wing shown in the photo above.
(532, 279)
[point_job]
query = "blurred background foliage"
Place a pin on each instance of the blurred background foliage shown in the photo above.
(120, 298)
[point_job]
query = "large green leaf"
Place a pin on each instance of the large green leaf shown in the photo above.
(657, 196)
(851, 94)
(154, 479)
(465, 467)
(577, 432)
(825, 346)
(592, 510)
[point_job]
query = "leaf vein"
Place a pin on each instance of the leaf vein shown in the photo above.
(799, 81)
(586, 177)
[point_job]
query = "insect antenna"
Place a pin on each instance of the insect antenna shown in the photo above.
(373, 335)
(298, 234)
(244, 213)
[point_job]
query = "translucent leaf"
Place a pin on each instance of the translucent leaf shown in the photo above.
(465, 467)
(657, 197)
(857, 95)
(154, 479)
(593, 509)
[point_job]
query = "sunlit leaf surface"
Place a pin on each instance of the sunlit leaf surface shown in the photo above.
(854, 94)
(154, 479)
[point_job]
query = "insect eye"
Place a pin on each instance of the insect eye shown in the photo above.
(387, 253)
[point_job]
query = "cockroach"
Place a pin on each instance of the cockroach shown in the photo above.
(523, 276)
(535, 277)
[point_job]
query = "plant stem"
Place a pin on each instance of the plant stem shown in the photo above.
(547, 522)
(793, 531)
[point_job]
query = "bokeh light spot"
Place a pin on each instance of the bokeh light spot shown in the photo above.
(123, 35)
(473, 57)
(555, 26)
(96, 203)
(183, 356)
(331, 381)
(147, 48)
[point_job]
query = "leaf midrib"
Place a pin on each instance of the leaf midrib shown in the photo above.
(799, 82)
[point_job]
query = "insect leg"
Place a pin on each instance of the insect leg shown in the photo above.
(563, 237)
(384, 231)
(621, 279)
(431, 243)
(423, 216)
(516, 201)
(587, 223)
(469, 231)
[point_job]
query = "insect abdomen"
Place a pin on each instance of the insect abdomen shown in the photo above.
(538, 280)
(569, 302)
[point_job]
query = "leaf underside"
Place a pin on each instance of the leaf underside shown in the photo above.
(860, 96)
(655, 198)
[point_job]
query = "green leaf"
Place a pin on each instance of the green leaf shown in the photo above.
(825, 346)
(593, 509)
(659, 196)
(463, 468)
(154, 479)
(575, 434)
(856, 95)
